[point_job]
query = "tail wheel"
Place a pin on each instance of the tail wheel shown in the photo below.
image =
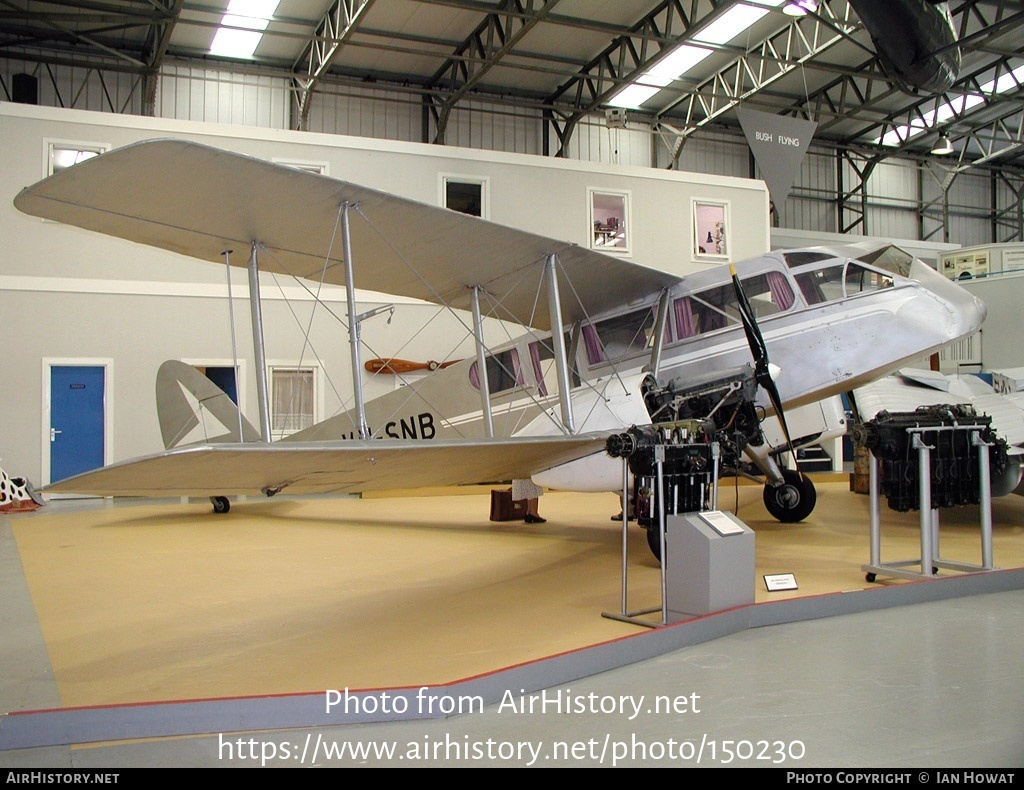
(793, 500)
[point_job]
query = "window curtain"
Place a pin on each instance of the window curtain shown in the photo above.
(782, 294)
(684, 318)
(593, 345)
(293, 400)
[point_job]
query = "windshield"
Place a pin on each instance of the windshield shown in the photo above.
(890, 258)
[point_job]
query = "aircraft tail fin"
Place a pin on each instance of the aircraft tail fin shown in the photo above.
(191, 408)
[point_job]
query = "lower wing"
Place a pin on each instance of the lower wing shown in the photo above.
(328, 467)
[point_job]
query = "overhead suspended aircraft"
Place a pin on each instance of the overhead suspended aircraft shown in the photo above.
(915, 41)
(607, 344)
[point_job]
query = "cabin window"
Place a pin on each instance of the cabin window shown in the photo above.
(62, 155)
(465, 194)
(609, 220)
(718, 307)
(711, 229)
(503, 372)
(614, 339)
(832, 283)
(293, 393)
(799, 258)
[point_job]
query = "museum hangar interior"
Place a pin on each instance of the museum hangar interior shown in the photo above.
(655, 144)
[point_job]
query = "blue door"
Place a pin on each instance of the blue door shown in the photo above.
(76, 419)
(223, 378)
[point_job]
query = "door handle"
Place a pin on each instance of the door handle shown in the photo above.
(53, 434)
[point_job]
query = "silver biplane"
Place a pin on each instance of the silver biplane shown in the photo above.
(607, 344)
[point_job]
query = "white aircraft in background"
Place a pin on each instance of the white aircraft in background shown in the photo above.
(636, 345)
(910, 389)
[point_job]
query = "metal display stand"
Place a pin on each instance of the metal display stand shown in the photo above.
(929, 561)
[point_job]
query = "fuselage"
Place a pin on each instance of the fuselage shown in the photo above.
(832, 319)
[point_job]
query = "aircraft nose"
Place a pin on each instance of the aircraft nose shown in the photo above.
(969, 312)
(964, 312)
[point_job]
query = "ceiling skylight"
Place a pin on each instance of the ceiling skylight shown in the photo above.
(733, 23)
(948, 111)
(242, 27)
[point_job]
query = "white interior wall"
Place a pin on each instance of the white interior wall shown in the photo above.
(1004, 296)
(363, 112)
(187, 93)
(67, 293)
(594, 141)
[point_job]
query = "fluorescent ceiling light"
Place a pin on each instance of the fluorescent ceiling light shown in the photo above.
(242, 27)
(669, 68)
(734, 22)
(633, 96)
(675, 64)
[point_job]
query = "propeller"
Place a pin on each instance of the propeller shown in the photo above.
(762, 367)
(398, 366)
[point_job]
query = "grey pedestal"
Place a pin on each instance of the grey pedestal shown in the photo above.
(705, 570)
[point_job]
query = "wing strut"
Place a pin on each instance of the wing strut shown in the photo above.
(558, 342)
(659, 333)
(258, 348)
(353, 322)
(234, 353)
(481, 363)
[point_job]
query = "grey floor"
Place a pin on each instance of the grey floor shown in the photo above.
(928, 685)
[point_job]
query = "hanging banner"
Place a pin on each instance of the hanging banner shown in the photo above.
(779, 144)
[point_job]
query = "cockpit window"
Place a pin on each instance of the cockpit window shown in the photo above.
(619, 337)
(890, 258)
(718, 307)
(862, 280)
(831, 283)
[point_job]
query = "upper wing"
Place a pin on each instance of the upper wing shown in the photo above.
(328, 467)
(200, 201)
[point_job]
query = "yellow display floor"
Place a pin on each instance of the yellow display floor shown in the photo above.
(168, 601)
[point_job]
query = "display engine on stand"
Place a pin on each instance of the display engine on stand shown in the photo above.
(932, 458)
(698, 431)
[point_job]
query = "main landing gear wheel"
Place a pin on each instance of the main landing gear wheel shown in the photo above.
(793, 500)
(221, 504)
(654, 541)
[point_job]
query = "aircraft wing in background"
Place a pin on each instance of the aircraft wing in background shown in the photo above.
(910, 387)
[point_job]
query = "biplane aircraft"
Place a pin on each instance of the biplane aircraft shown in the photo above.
(607, 344)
